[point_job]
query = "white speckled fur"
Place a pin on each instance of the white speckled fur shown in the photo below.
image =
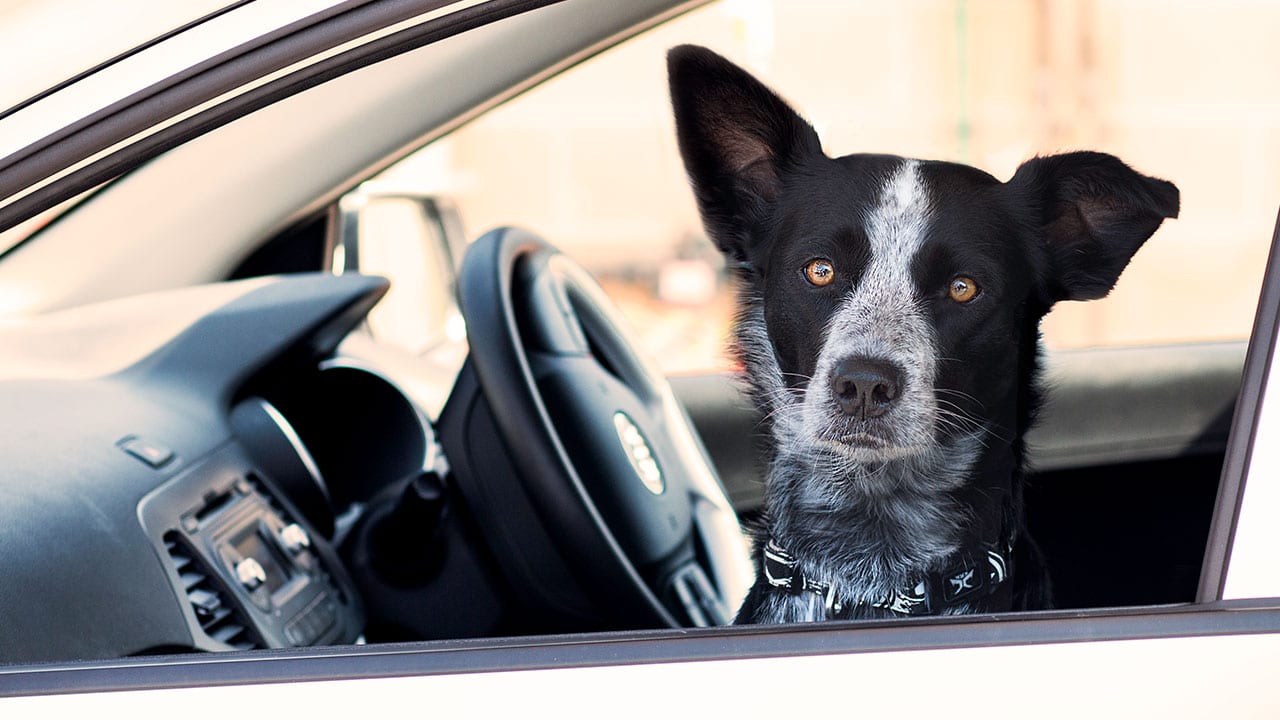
(883, 318)
(864, 519)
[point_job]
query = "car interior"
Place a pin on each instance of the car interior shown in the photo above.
(214, 446)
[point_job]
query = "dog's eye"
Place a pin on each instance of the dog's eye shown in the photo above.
(820, 272)
(963, 289)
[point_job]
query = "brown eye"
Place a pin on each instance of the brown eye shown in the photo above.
(963, 289)
(820, 272)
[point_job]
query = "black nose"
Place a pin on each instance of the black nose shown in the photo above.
(864, 387)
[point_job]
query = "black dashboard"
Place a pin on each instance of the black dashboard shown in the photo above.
(154, 499)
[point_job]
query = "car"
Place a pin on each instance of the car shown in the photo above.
(281, 433)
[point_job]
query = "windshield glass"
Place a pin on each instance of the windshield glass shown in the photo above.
(87, 34)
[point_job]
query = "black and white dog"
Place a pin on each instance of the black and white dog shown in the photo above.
(889, 328)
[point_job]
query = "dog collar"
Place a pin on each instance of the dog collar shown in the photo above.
(973, 576)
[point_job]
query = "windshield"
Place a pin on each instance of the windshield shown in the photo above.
(87, 34)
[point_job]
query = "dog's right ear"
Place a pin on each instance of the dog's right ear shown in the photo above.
(737, 138)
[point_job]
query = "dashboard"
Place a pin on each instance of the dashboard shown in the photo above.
(244, 465)
(159, 499)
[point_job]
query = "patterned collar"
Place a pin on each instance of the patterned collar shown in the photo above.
(973, 575)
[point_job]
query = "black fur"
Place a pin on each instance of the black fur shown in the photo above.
(862, 500)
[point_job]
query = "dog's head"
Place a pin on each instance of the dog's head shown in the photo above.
(893, 304)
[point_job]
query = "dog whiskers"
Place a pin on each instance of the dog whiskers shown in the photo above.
(962, 395)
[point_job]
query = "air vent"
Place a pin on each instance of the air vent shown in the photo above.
(218, 618)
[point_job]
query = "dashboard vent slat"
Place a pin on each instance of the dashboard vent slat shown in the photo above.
(190, 579)
(218, 618)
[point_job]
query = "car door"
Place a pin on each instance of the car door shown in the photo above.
(1215, 654)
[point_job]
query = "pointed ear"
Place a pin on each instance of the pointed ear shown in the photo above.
(1094, 213)
(738, 140)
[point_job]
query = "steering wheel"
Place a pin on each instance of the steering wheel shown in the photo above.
(607, 458)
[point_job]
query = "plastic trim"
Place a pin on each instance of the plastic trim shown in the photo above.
(1235, 468)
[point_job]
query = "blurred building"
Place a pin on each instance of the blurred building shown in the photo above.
(1179, 89)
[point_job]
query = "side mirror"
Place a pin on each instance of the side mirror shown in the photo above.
(415, 240)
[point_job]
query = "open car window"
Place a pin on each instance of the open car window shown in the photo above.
(598, 169)
(1143, 383)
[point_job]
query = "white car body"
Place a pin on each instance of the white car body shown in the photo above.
(1218, 656)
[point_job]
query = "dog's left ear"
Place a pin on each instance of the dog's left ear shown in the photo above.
(1095, 212)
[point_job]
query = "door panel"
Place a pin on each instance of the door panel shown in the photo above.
(1171, 677)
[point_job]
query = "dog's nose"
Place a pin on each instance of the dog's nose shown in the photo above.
(865, 388)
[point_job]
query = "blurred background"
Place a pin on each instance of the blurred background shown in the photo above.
(1182, 90)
